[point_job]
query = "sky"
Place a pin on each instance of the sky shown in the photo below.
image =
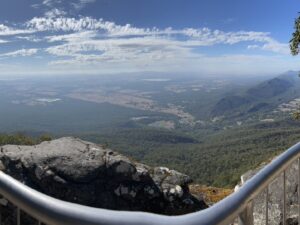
(232, 37)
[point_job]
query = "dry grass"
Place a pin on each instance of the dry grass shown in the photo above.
(210, 195)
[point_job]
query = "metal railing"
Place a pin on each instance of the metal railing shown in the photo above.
(239, 205)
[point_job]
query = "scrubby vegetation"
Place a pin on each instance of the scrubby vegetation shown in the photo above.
(211, 195)
(22, 139)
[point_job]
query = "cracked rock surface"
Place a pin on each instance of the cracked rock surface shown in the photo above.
(83, 172)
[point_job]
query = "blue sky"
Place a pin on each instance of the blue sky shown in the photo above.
(240, 37)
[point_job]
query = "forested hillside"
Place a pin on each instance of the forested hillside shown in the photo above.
(216, 160)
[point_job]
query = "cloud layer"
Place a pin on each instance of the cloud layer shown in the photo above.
(94, 45)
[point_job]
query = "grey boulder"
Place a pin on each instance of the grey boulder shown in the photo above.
(86, 173)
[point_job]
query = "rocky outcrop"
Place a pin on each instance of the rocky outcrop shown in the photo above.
(82, 172)
(275, 200)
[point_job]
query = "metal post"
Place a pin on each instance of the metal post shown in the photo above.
(234, 222)
(284, 199)
(298, 190)
(18, 216)
(246, 217)
(267, 205)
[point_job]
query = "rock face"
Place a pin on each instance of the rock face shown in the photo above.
(275, 202)
(82, 172)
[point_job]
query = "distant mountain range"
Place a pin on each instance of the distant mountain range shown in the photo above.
(264, 96)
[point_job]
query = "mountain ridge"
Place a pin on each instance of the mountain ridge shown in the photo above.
(259, 97)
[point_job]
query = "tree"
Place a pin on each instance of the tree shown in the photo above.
(295, 41)
(294, 47)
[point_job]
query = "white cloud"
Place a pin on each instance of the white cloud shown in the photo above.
(253, 47)
(78, 5)
(3, 41)
(30, 38)
(50, 3)
(275, 46)
(8, 31)
(115, 43)
(190, 36)
(55, 13)
(73, 37)
(21, 52)
(61, 24)
(67, 24)
(62, 6)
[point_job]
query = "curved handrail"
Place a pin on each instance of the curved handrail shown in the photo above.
(54, 211)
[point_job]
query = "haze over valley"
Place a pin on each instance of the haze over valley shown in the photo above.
(192, 118)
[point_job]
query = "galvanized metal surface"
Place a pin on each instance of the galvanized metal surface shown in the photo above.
(298, 191)
(267, 205)
(284, 199)
(56, 212)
